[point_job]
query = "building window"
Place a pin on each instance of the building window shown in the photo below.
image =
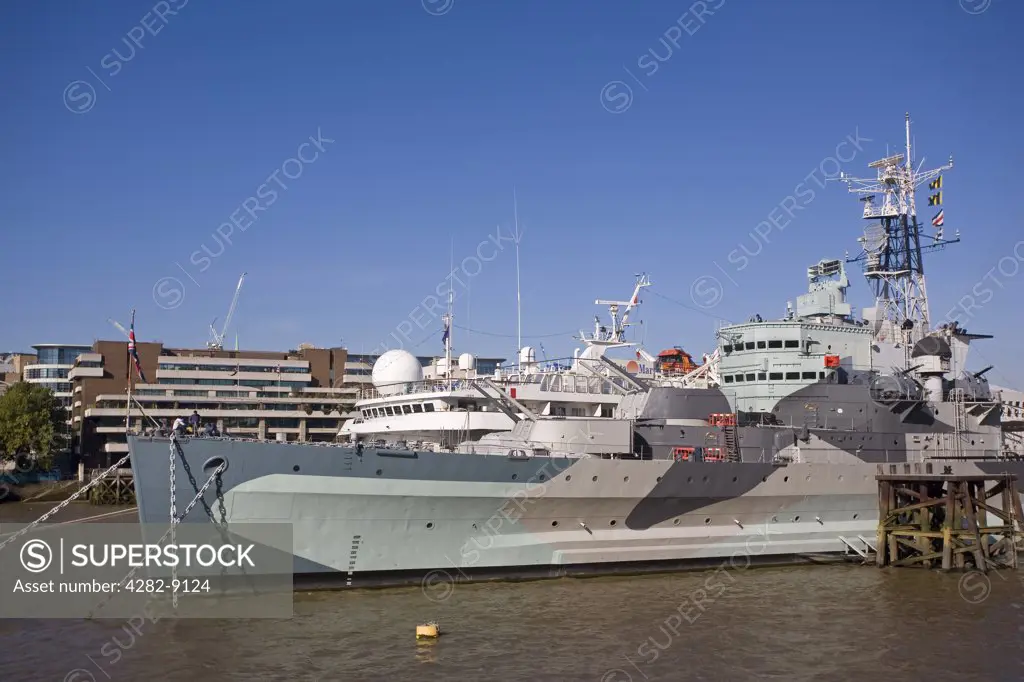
(282, 423)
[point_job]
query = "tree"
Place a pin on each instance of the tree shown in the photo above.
(31, 420)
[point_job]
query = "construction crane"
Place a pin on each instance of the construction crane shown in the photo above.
(119, 326)
(216, 341)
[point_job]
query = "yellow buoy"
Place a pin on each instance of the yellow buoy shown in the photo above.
(429, 630)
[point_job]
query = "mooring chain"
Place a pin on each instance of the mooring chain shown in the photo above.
(95, 481)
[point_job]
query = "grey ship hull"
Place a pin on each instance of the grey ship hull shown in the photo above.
(389, 516)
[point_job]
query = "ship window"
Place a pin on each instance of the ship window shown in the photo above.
(761, 344)
(775, 344)
(728, 378)
(750, 377)
(739, 378)
(792, 344)
(809, 375)
(727, 349)
(749, 345)
(406, 409)
(389, 411)
(790, 376)
(821, 375)
(775, 376)
(761, 376)
(417, 408)
(428, 407)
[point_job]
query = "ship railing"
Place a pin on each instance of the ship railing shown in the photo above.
(556, 382)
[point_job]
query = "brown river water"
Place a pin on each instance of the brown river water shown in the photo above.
(838, 622)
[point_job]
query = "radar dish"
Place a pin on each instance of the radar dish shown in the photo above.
(874, 238)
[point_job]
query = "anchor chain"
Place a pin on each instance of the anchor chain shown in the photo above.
(167, 534)
(95, 481)
(174, 519)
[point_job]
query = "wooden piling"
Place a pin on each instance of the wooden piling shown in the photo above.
(116, 488)
(910, 507)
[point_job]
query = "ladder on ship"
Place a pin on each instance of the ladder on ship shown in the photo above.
(956, 396)
(732, 449)
(726, 424)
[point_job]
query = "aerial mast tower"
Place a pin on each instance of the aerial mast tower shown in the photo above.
(892, 243)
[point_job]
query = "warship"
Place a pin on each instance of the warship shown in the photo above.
(771, 450)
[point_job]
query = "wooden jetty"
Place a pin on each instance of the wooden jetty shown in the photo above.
(928, 519)
(117, 488)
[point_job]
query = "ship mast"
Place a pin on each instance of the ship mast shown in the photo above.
(892, 248)
(447, 320)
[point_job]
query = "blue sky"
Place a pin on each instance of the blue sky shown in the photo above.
(120, 167)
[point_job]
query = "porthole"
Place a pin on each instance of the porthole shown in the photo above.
(785, 479)
(707, 520)
(775, 519)
(625, 479)
(554, 524)
(658, 480)
(856, 515)
(840, 477)
(430, 525)
(807, 478)
(379, 472)
(295, 468)
(613, 522)
(796, 518)
(541, 477)
(568, 477)
(764, 479)
(675, 522)
(689, 479)
(705, 479)
(594, 479)
(734, 479)
(515, 477)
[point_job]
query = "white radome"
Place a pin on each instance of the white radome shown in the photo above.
(467, 362)
(395, 368)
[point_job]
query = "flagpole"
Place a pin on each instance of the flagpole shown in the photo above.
(128, 365)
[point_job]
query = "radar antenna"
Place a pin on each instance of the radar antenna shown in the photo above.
(892, 249)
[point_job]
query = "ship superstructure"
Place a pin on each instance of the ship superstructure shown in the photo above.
(409, 408)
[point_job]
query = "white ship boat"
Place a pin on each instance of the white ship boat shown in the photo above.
(441, 406)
